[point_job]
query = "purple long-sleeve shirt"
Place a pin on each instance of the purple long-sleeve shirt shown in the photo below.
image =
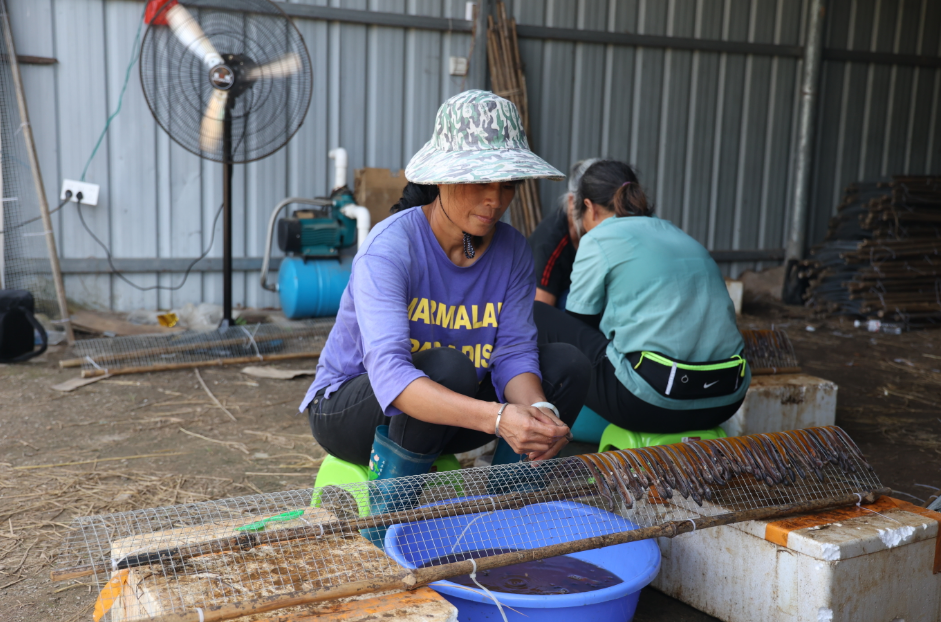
(406, 295)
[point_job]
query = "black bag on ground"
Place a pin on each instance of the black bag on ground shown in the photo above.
(17, 323)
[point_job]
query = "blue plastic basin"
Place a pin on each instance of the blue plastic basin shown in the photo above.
(542, 524)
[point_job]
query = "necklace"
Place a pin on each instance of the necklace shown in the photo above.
(469, 251)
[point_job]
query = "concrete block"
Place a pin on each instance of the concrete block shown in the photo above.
(857, 566)
(784, 402)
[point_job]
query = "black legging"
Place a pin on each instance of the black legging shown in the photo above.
(345, 424)
(606, 395)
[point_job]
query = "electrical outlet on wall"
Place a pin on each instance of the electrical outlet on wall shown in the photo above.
(89, 191)
(457, 66)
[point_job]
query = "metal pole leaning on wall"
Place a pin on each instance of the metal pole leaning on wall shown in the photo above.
(792, 293)
(477, 78)
(37, 174)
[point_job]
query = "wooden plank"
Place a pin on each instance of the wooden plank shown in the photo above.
(266, 571)
(423, 604)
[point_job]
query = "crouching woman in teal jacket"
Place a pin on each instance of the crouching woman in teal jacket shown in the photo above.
(650, 309)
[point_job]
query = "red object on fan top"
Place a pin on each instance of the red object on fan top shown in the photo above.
(155, 13)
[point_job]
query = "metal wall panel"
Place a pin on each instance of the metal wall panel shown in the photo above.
(711, 133)
(876, 120)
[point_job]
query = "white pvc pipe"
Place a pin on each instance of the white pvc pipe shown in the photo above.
(363, 221)
(340, 163)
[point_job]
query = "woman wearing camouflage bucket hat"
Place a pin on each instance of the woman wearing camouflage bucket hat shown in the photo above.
(434, 348)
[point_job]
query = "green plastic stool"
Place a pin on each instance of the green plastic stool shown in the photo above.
(336, 472)
(614, 437)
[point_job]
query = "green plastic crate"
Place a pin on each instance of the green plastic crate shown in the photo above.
(614, 437)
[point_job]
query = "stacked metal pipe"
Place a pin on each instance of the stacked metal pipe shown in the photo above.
(881, 258)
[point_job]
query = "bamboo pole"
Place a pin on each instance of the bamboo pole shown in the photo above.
(246, 541)
(265, 358)
(420, 577)
(37, 177)
(509, 81)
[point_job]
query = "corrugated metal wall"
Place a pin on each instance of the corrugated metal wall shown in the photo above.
(876, 119)
(376, 90)
(711, 133)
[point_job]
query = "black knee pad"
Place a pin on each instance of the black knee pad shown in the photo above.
(448, 367)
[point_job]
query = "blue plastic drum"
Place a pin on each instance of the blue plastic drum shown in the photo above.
(541, 524)
(311, 288)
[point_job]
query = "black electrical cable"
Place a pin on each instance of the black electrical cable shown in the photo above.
(68, 195)
(121, 276)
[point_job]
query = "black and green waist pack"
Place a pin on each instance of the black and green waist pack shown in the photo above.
(682, 380)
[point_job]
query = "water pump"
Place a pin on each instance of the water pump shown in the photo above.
(319, 233)
(313, 276)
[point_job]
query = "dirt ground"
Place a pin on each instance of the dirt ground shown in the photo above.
(149, 440)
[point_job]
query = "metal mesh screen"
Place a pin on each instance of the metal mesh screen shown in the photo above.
(24, 263)
(209, 555)
(259, 342)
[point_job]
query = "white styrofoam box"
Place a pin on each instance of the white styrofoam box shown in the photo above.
(784, 402)
(736, 290)
(870, 568)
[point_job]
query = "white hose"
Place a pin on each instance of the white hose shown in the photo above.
(363, 221)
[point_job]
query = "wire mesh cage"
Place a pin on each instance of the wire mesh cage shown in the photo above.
(235, 344)
(24, 262)
(222, 559)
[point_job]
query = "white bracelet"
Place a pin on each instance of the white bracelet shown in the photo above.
(547, 405)
(496, 428)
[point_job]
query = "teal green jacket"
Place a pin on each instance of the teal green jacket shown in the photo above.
(659, 290)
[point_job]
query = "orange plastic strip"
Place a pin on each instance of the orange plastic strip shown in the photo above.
(109, 594)
(777, 531)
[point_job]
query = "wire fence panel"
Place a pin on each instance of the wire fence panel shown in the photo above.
(222, 559)
(24, 262)
(236, 344)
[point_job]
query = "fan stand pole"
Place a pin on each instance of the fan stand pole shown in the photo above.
(227, 216)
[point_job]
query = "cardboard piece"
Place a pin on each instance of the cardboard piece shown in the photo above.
(111, 324)
(277, 373)
(76, 383)
(378, 189)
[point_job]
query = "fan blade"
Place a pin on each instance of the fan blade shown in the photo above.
(188, 32)
(287, 65)
(210, 130)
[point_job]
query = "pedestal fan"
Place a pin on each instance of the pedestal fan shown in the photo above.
(228, 80)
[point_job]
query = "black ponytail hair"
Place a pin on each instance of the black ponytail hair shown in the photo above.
(614, 186)
(414, 195)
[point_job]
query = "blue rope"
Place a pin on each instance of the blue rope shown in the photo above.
(135, 54)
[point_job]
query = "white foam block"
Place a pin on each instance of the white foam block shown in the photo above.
(872, 568)
(784, 402)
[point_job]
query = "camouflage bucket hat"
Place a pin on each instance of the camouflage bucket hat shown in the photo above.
(478, 138)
